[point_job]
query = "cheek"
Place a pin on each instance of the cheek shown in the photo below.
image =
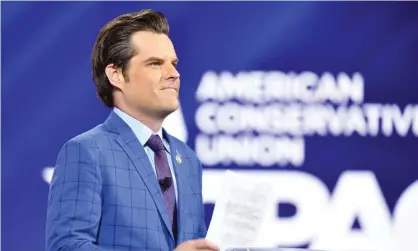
(144, 84)
(151, 81)
(152, 76)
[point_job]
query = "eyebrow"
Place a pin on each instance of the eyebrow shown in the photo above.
(151, 59)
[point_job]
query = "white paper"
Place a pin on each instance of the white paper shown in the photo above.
(240, 211)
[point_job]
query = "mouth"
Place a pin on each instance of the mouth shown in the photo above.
(173, 89)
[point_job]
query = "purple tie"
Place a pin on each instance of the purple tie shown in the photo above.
(164, 176)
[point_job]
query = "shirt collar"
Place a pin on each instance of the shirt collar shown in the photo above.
(141, 131)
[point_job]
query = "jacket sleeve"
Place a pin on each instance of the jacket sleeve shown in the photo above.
(74, 199)
(202, 223)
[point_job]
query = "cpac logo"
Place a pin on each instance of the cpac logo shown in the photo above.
(174, 124)
(324, 220)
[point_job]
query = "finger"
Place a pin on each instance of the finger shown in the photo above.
(202, 244)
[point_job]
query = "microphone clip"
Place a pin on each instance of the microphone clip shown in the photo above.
(165, 183)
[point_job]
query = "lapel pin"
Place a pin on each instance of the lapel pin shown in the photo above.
(178, 157)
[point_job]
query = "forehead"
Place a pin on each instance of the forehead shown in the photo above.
(149, 44)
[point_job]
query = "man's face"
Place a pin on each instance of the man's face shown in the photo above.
(153, 82)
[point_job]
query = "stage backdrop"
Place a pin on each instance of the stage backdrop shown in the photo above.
(319, 98)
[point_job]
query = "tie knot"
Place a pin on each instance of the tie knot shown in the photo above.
(155, 143)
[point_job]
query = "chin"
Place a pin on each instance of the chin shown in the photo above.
(173, 108)
(173, 105)
(168, 109)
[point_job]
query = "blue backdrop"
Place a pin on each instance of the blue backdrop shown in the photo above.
(345, 172)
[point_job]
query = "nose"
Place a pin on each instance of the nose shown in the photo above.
(172, 72)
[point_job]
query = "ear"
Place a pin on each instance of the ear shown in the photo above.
(115, 76)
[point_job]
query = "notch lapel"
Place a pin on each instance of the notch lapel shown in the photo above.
(136, 152)
(180, 170)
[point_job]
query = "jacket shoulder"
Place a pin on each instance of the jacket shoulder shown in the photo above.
(90, 139)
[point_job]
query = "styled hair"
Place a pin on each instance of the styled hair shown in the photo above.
(113, 46)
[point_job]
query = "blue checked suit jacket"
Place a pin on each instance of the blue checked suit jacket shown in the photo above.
(104, 194)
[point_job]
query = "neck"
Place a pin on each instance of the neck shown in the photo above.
(152, 122)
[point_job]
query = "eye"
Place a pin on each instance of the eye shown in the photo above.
(155, 64)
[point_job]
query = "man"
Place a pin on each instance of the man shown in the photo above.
(127, 184)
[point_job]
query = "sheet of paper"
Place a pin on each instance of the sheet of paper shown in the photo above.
(240, 211)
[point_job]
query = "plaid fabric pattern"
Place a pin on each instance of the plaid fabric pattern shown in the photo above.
(104, 194)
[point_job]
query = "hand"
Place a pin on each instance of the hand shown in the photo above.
(198, 244)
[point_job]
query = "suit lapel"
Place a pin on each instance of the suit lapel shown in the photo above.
(179, 160)
(135, 151)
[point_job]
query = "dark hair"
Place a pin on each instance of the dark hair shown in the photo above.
(113, 46)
